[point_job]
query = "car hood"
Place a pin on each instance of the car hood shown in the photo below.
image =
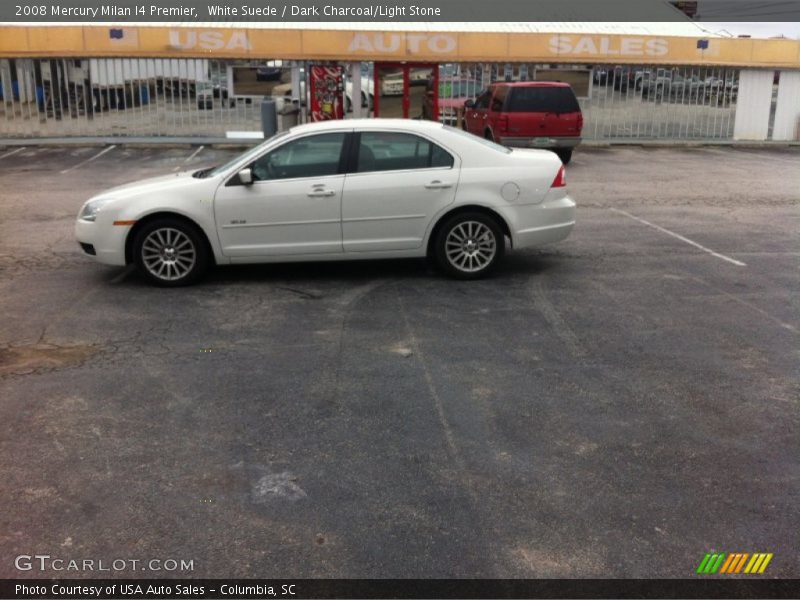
(153, 184)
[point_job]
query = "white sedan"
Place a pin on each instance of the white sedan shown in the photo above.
(339, 190)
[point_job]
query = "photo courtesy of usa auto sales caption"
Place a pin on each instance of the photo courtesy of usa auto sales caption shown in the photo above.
(337, 190)
(79, 590)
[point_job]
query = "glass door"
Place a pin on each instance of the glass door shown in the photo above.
(402, 90)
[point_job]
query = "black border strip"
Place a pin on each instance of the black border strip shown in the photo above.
(246, 589)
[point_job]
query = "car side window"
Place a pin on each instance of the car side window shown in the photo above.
(392, 151)
(312, 156)
(499, 98)
(482, 101)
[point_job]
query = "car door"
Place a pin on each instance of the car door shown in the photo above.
(495, 123)
(396, 183)
(475, 117)
(293, 205)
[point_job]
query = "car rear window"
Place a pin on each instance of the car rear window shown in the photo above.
(542, 99)
(392, 151)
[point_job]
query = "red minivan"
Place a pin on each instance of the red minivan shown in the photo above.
(527, 114)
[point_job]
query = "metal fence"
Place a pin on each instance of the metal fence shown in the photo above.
(620, 102)
(666, 103)
(207, 98)
(128, 97)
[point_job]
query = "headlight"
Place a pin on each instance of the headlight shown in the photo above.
(89, 210)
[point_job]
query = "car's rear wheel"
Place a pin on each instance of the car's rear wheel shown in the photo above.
(565, 154)
(469, 245)
(170, 252)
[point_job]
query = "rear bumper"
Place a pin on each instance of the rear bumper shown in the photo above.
(547, 234)
(545, 223)
(540, 142)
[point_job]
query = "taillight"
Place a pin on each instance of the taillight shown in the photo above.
(580, 122)
(561, 178)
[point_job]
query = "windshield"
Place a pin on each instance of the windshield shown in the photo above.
(246, 157)
(480, 140)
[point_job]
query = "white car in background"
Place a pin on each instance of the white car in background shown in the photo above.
(392, 85)
(338, 190)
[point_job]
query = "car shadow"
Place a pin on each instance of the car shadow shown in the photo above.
(513, 266)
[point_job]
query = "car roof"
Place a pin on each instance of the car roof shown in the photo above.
(532, 83)
(377, 123)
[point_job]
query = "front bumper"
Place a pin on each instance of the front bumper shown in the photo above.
(107, 240)
(540, 142)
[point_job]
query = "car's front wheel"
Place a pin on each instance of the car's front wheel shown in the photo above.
(469, 245)
(170, 252)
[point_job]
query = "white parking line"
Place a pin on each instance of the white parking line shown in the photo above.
(188, 160)
(88, 160)
(12, 152)
(738, 263)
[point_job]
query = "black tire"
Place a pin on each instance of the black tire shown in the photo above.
(565, 154)
(488, 135)
(174, 248)
(448, 256)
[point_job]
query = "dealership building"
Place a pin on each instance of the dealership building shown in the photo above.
(208, 82)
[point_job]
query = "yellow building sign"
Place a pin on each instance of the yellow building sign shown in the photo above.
(310, 44)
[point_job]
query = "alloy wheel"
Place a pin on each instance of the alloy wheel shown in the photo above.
(168, 254)
(470, 246)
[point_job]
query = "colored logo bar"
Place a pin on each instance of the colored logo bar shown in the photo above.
(734, 562)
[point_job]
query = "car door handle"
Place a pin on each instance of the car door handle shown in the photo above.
(438, 185)
(321, 193)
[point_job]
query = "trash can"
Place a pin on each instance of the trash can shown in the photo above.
(269, 120)
(289, 115)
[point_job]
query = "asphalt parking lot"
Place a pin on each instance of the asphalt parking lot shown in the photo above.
(615, 405)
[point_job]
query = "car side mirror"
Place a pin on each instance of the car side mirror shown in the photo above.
(469, 104)
(246, 176)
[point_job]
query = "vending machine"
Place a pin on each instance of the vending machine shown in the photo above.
(327, 98)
